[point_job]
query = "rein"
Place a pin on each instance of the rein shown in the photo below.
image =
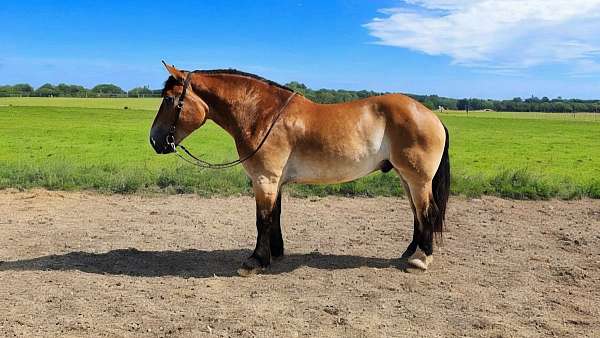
(202, 163)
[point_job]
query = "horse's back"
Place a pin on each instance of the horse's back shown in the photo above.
(405, 120)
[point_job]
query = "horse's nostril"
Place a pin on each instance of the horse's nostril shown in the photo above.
(157, 147)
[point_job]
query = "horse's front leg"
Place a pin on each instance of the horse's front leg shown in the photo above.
(276, 237)
(266, 193)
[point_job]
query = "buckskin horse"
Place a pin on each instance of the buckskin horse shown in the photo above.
(282, 137)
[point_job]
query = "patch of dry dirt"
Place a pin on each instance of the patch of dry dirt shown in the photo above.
(82, 264)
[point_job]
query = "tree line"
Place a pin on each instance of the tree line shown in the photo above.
(434, 102)
(517, 104)
(67, 90)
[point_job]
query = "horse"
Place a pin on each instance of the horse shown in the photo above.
(283, 137)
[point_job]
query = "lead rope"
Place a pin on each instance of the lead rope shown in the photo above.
(207, 165)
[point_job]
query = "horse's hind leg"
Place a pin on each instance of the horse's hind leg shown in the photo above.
(417, 169)
(425, 212)
(412, 247)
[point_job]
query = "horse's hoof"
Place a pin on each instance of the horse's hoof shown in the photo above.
(421, 263)
(243, 272)
(250, 267)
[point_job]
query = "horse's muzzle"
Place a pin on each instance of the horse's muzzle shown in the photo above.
(161, 146)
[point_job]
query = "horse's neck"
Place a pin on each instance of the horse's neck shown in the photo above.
(244, 110)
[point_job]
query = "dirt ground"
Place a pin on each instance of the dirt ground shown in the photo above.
(84, 265)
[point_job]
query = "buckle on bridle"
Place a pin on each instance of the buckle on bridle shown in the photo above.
(171, 140)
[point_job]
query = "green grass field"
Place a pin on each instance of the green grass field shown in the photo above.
(63, 143)
(119, 103)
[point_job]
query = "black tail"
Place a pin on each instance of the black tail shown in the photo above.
(441, 188)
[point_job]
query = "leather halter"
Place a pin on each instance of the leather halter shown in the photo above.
(202, 163)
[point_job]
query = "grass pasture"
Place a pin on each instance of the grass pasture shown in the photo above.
(104, 103)
(69, 143)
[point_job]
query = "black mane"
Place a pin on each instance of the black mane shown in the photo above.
(171, 81)
(250, 75)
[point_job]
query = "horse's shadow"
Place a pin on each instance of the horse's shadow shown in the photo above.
(186, 263)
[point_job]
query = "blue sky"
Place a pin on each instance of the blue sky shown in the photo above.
(456, 48)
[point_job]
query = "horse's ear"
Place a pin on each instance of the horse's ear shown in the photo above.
(176, 73)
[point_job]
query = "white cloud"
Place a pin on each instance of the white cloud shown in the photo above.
(499, 35)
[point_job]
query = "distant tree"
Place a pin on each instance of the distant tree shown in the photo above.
(325, 96)
(70, 90)
(46, 90)
(475, 104)
(580, 107)
(428, 103)
(5, 90)
(462, 104)
(487, 104)
(561, 107)
(297, 86)
(106, 89)
(22, 89)
(140, 91)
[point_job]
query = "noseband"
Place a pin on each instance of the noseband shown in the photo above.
(202, 163)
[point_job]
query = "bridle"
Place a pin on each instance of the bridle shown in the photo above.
(178, 109)
(202, 163)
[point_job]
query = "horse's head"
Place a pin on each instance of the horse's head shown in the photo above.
(181, 112)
